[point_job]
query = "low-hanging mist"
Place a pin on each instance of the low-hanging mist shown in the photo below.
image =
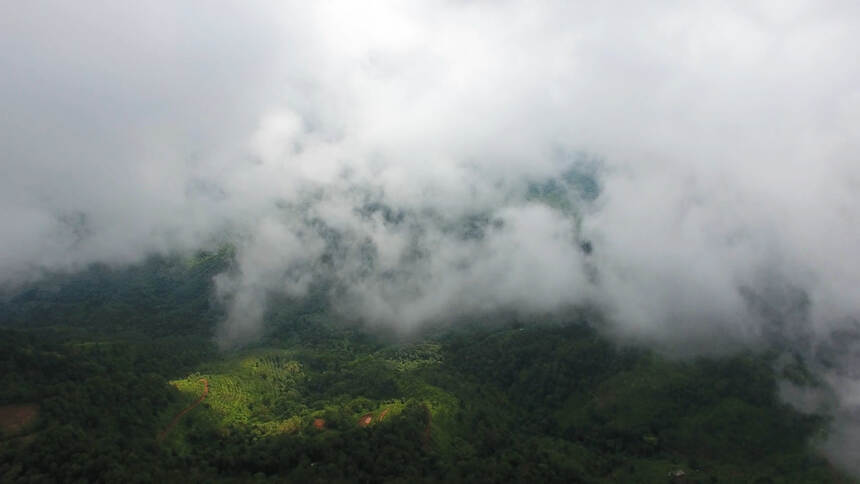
(690, 170)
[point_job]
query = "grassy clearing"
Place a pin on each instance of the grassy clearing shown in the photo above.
(283, 391)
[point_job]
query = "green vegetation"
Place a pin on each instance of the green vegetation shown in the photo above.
(483, 403)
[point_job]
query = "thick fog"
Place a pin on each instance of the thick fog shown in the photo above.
(690, 169)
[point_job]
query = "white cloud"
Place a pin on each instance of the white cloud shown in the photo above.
(726, 130)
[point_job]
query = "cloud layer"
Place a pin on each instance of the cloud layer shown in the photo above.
(435, 160)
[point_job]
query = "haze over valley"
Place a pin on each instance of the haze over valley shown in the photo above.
(662, 199)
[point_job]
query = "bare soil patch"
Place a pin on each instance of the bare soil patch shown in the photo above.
(15, 418)
(365, 420)
(319, 423)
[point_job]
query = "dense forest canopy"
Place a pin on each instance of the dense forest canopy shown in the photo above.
(109, 357)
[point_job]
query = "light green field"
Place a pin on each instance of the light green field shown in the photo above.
(273, 392)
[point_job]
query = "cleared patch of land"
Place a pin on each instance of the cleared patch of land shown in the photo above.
(365, 420)
(15, 418)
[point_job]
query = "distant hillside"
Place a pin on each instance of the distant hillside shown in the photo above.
(108, 358)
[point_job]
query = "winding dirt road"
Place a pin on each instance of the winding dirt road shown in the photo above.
(187, 409)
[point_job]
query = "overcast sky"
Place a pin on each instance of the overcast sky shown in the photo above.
(723, 136)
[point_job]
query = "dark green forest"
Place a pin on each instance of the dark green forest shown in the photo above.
(105, 358)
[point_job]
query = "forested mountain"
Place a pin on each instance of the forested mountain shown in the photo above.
(102, 370)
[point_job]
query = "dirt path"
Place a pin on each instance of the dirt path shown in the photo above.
(383, 414)
(187, 409)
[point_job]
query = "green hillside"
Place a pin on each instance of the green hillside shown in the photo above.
(319, 400)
